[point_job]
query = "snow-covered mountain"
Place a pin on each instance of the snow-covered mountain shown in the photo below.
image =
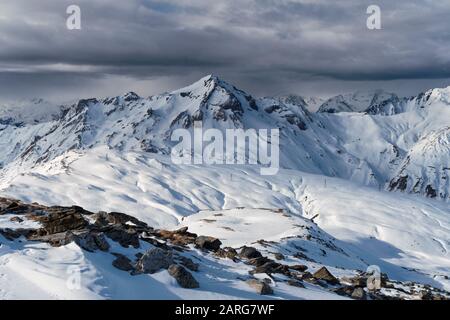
(311, 103)
(365, 148)
(357, 102)
(28, 112)
(354, 189)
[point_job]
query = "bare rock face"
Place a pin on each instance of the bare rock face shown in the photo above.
(183, 277)
(260, 287)
(325, 275)
(208, 243)
(154, 260)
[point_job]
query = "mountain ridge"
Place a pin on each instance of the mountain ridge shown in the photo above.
(363, 147)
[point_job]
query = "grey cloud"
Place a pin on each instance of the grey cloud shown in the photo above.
(265, 46)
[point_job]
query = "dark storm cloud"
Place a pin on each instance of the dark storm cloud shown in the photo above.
(265, 46)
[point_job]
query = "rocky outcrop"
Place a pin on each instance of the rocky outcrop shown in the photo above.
(261, 287)
(208, 243)
(325, 275)
(154, 260)
(183, 277)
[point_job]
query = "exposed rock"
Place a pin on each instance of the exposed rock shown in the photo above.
(10, 206)
(295, 283)
(179, 237)
(122, 262)
(103, 219)
(16, 219)
(188, 263)
(183, 277)
(154, 260)
(259, 261)
(260, 287)
(55, 240)
(123, 235)
(344, 291)
(299, 267)
(208, 243)
(61, 219)
(357, 281)
(324, 274)
(12, 235)
(271, 267)
(92, 241)
(279, 256)
(226, 252)
(249, 253)
(359, 294)
(425, 295)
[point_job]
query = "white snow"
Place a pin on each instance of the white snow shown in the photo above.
(111, 155)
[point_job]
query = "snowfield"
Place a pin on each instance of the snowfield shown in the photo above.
(355, 189)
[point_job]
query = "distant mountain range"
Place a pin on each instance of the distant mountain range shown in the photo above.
(364, 182)
(375, 138)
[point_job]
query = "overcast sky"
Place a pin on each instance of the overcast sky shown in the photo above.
(265, 47)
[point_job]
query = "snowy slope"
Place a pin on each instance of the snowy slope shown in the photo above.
(407, 235)
(375, 182)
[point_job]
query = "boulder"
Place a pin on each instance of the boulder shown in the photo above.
(226, 252)
(122, 262)
(260, 287)
(359, 294)
(154, 260)
(92, 241)
(299, 267)
(249, 253)
(271, 267)
(183, 277)
(123, 235)
(257, 262)
(279, 256)
(325, 275)
(208, 243)
(188, 263)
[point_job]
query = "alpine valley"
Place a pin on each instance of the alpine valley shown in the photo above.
(92, 207)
